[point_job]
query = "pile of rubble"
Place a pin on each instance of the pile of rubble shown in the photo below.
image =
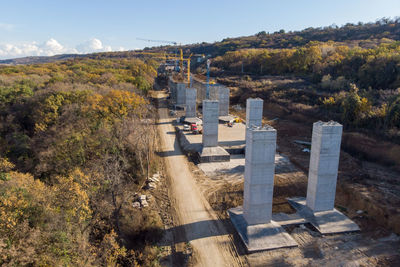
(141, 201)
(152, 181)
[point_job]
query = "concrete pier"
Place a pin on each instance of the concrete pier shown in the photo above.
(211, 152)
(217, 92)
(324, 163)
(191, 102)
(223, 98)
(221, 93)
(210, 123)
(319, 206)
(177, 91)
(254, 221)
(259, 175)
(181, 94)
(254, 111)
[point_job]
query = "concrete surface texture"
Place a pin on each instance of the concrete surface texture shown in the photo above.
(223, 98)
(210, 123)
(196, 84)
(214, 91)
(213, 154)
(172, 88)
(254, 111)
(177, 89)
(260, 237)
(220, 93)
(324, 163)
(235, 167)
(259, 174)
(326, 222)
(217, 92)
(180, 93)
(201, 89)
(190, 102)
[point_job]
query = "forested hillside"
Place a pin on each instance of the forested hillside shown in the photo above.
(76, 140)
(361, 84)
(365, 35)
(350, 74)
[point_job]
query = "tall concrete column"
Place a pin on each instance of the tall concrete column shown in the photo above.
(223, 98)
(324, 163)
(210, 123)
(213, 94)
(180, 93)
(172, 87)
(259, 174)
(191, 94)
(254, 111)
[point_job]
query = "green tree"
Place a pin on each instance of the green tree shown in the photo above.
(354, 107)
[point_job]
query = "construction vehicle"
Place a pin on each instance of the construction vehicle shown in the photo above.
(237, 120)
(196, 129)
(193, 127)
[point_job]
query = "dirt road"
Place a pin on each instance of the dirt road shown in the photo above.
(197, 223)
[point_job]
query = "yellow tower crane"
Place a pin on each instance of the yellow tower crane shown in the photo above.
(181, 58)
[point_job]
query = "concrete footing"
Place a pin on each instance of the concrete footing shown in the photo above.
(326, 222)
(192, 120)
(225, 119)
(260, 237)
(213, 154)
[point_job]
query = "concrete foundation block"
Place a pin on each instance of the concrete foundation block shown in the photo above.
(326, 222)
(213, 154)
(259, 237)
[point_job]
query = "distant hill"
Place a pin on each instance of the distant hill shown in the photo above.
(37, 60)
(366, 35)
(44, 59)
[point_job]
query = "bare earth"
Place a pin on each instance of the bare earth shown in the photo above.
(196, 221)
(202, 194)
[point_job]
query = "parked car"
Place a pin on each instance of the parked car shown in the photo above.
(186, 127)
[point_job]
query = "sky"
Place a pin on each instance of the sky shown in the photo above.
(49, 27)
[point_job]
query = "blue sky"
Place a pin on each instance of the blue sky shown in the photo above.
(43, 27)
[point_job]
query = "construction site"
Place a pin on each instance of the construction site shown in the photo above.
(275, 195)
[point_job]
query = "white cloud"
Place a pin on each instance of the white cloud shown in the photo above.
(52, 47)
(93, 45)
(6, 26)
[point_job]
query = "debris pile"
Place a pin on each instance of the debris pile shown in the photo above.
(152, 181)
